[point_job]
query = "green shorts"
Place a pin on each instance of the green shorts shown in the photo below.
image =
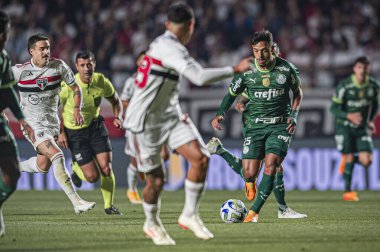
(8, 146)
(353, 140)
(269, 139)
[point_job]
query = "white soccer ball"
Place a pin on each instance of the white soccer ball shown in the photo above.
(233, 211)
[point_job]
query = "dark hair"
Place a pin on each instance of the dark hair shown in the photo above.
(84, 55)
(4, 21)
(363, 60)
(260, 36)
(180, 13)
(140, 54)
(34, 39)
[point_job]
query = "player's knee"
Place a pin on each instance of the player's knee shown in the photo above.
(91, 177)
(366, 162)
(159, 184)
(106, 170)
(270, 169)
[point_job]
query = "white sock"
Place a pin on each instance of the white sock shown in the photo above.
(132, 177)
(151, 213)
(62, 177)
(30, 166)
(193, 193)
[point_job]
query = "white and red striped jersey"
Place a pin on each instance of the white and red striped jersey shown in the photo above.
(128, 89)
(39, 90)
(155, 98)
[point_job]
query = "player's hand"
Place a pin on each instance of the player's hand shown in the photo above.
(62, 140)
(215, 123)
(355, 118)
(118, 123)
(78, 117)
(243, 65)
(29, 130)
(372, 127)
(291, 126)
(184, 118)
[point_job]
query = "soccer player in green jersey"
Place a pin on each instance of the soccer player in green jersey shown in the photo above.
(89, 144)
(355, 105)
(9, 161)
(270, 116)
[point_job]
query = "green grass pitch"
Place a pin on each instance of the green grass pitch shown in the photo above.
(45, 221)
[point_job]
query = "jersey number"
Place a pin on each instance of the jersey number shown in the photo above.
(143, 72)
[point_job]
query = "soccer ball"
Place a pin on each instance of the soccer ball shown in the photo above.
(233, 211)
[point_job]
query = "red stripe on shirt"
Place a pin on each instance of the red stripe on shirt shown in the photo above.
(49, 78)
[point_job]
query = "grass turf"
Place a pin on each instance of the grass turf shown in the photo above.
(45, 221)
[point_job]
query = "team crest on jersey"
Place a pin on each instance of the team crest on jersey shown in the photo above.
(281, 79)
(265, 80)
(42, 83)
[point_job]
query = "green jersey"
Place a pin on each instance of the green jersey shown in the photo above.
(267, 91)
(7, 78)
(350, 96)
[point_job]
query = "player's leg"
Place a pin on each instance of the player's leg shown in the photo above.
(186, 141)
(107, 182)
(132, 172)
(149, 159)
(51, 150)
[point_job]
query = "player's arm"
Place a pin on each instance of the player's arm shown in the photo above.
(241, 102)
(127, 92)
(183, 63)
(295, 86)
(9, 99)
(237, 87)
(117, 109)
(62, 137)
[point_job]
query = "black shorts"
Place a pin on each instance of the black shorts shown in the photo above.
(8, 146)
(85, 143)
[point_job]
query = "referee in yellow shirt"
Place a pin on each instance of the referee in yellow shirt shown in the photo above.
(89, 144)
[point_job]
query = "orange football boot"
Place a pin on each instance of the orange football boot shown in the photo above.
(350, 196)
(251, 217)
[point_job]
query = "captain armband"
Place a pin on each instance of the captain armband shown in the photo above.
(76, 93)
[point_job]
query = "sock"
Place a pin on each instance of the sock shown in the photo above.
(78, 171)
(151, 212)
(193, 193)
(265, 189)
(132, 178)
(63, 178)
(30, 166)
(107, 186)
(347, 175)
(5, 191)
(234, 162)
(279, 191)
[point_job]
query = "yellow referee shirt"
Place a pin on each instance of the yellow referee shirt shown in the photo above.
(91, 94)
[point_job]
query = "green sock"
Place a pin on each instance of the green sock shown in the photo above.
(347, 175)
(279, 191)
(234, 162)
(265, 189)
(107, 186)
(5, 191)
(78, 171)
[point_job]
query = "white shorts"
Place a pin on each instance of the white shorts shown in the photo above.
(42, 133)
(146, 146)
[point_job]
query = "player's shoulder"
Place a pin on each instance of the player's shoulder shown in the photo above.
(56, 62)
(167, 42)
(346, 82)
(373, 81)
(22, 66)
(285, 65)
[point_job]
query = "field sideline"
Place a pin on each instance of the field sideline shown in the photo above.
(45, 221)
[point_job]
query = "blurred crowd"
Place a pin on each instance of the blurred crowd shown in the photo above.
(321, 37)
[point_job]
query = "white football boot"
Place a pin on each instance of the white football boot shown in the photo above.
(214, 146)
(289, 213)
(2, 225)
(195, 224)
(83, 206)
(157, 234)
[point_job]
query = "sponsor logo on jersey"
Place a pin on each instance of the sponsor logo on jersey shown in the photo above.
(281, 79)
(35, 99)
(358, 104)
(236, 85)
(284, 138)
(78, 157)
(42, 83)
(269, 94)
(282, 68)
(248, 72)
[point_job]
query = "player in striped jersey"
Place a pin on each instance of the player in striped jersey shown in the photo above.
(154, 118)
(39, 84)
